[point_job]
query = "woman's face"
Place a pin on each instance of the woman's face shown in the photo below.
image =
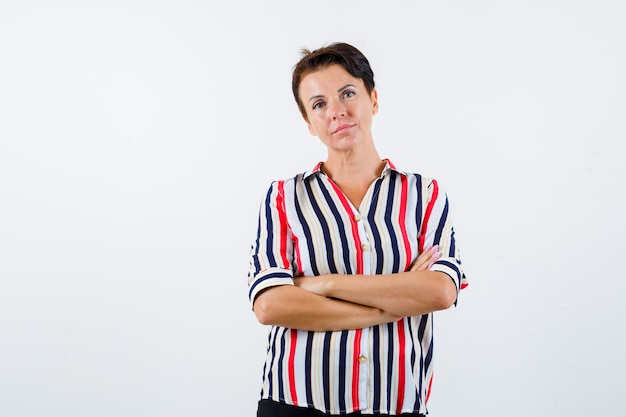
(338, 107)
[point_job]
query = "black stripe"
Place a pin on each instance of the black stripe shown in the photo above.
(416, 404)
(273, 275)
(342, 233)
(326, 371)
(389, 364)
(272, 340)
(395, 251)
(442, 223)
(325, 229)
(307, 368)
(376, 240)
(376, 360)
(270, 227)
(418, 208)
(343, 346)
(307, 232)
(452, 252)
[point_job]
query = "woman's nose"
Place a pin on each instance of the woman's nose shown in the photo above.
(337, 109)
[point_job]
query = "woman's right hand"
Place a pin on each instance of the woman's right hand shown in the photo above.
(426, 259)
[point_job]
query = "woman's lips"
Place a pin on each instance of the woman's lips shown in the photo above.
(342, 128)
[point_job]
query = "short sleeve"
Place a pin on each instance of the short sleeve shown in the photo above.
(272, 249)
(437, 229)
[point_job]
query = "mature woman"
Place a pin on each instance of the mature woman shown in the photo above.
(350, 261)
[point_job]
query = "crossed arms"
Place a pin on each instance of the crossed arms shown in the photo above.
(341, 302)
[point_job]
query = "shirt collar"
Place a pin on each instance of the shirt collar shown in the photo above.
(389, 166)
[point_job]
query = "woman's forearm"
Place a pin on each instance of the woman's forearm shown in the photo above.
(295, 308)
(410, 293)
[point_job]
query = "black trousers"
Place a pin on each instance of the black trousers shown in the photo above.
(269, 408)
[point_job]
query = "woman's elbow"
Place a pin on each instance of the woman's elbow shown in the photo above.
(263, 311)
(447, 295)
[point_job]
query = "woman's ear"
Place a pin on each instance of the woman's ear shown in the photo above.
(374, 98)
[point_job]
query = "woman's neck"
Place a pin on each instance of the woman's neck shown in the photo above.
(354, 174)
(353, 168)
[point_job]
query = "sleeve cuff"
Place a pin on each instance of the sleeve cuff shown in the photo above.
(452, 268)
(266, 279)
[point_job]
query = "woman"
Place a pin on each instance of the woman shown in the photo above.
(350, 260)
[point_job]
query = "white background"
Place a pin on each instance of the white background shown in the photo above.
(137, 139)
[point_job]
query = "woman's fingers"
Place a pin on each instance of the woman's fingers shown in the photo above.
(426, 259)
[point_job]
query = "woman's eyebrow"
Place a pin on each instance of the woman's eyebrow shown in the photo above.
(316, 97)
(345, 86)
(338, 90)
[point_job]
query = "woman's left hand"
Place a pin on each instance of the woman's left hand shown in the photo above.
(426, 259)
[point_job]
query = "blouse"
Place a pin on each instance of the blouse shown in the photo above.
(308, 227)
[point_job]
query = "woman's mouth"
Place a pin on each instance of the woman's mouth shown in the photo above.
(342, 128)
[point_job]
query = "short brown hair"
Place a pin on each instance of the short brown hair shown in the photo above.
(350, 58)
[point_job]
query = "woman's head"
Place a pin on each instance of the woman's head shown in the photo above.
(350, 58)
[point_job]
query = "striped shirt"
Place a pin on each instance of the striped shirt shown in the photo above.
(307, 227)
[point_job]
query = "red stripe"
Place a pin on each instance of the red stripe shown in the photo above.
(355, 228)
(401, 376)
(356, 366)
(292, 369)
(400, 323)
(403, 222)
(430, 384)
(429, 209)
(282, 218)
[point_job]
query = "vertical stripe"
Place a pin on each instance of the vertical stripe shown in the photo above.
(326, 370)
(269, 225)
(307, 368)
(354, 227)
(292, 367)
(327, 238)
(419, 205)
(443, 219)
(401, 364)
(268, 363)
(307, 227)
(391, 230)
(356, 369)
(281, 356)
(343, 235)
(343, 347)
(296, 254)
(402, 222)
(430, 385)
(429, 210)
(359, 258)
(282, 218)
(377, 244)
(308, 238)
(376, 364)
(390, 367)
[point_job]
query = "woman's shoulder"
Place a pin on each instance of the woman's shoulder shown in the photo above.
(292, 180)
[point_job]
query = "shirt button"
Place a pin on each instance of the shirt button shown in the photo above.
(362, 359)
(365, 247)
(357, 218)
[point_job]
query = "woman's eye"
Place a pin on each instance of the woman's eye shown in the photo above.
(318, 105)
(348, 94)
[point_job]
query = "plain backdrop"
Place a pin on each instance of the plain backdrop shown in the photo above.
(137, 139)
